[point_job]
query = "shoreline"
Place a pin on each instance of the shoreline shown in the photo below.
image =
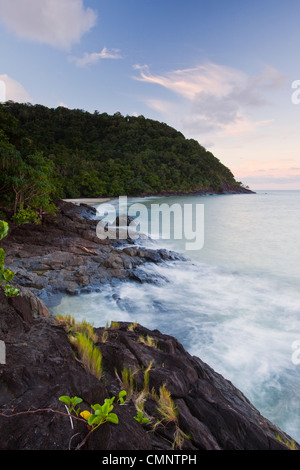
(69, 257)
(201, 192)
(89, 201)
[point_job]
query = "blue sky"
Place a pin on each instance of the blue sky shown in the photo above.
(219, 71)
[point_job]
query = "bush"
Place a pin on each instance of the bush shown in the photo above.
(26, 216)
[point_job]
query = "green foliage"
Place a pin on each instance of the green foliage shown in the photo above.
(5, 274)
(140, 418)
(82, 155)
(102, 413)
(4, 229)
(83, 337)
(26, 216)
(122, 397)
(290, 444)
(71, 403)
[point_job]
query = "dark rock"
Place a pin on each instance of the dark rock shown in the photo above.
(68, 257)
(41, 366)
(124, 221)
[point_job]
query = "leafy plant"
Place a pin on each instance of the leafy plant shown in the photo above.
(102, 414)
(71, 403)
(140, 418)
(5, 274)
(26, 216)
(122, 396)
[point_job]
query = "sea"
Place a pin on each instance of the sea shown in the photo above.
(234, 298)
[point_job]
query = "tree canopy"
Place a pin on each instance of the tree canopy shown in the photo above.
(46, 153)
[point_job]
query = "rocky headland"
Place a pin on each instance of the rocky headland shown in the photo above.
(64, 256)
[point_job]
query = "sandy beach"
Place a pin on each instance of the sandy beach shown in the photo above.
(91, 201)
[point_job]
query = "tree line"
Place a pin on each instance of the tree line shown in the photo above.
(52, 153)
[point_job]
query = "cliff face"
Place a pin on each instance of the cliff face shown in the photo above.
(41, 366)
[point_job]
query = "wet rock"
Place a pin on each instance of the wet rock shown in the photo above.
(41, 365)
(67, 256)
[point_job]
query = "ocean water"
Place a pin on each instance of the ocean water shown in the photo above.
(235, 302)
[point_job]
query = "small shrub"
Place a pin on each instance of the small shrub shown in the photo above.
(127, 378)
(83, 337)
(71, 403)
(166, 406)
(89, 354)
(140, 418)
(5, 274)
(26, 216)
(148, 341)
(102, 414)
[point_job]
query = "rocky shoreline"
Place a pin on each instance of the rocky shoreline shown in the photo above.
(64, 256)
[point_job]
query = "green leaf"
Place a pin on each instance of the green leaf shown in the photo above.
(100, 413)
(2, 256)
(8, 275)
(122, 394)
(94, 420)
(96, 407)
(112, 418)
(65, 399)
(4, 228)
(76, 401)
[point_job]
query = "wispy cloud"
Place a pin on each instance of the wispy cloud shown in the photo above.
(218, 98)
(58, 23)
(94, 57)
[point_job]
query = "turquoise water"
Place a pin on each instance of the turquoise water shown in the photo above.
(235, 303)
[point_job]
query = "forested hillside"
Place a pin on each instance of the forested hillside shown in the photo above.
(61, 153)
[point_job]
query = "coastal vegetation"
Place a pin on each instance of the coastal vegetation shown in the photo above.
(6, 275)
(49, 154)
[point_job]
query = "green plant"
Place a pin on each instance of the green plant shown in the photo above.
(147, 378)
(290, 444)
(5, 274)
(149, 341)
(102, 414)
(169, 413)
(26, 216)
(122, 397)
(128, 380)
(166, 406)
(140, 418)
(83, 337)
(89, 354)
(132, 326)
(71, 403)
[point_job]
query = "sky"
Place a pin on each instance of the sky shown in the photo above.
(225, 73)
